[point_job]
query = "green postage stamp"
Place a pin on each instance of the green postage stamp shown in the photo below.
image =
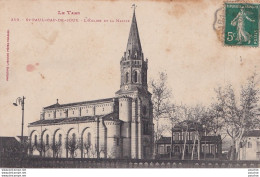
(241, 24)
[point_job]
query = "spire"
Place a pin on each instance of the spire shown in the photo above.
(134, 48)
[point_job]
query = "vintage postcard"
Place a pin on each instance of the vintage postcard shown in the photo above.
(129, 84)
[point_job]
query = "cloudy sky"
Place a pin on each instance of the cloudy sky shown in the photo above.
(79, 61)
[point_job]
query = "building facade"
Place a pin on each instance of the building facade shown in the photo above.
(195, 141)
(250, 147)
(118, 127)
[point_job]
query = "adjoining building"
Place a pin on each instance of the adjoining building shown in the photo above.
(118, 127)
(11, 146)
(250, 147)
(195, 142)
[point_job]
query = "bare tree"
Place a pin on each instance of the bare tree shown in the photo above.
(215, 123)
(86, 148)
(198, 113)
(184, 114)
(42, 147)
(239, 116)
(161, 100)
(56, 148)
(72, 145)
(173, 117)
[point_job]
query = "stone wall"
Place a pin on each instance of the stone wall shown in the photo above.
(121, 163)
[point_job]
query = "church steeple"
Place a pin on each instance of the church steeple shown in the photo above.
(133, 66)
(134, 48)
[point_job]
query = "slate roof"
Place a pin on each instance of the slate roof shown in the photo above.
(252, 133)
(57, 105)
(211, 138)
(110, 116)
(164, 140)
(134, 44)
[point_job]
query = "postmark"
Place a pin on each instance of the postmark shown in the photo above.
(241, 24)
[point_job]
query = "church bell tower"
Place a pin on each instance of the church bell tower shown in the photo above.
(132, 65)
(135, 105)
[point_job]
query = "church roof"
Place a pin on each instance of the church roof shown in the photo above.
(110, 116)
(57, 105)
(134, 44)
(135, 89)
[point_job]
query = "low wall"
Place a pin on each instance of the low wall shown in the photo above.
(121, 163)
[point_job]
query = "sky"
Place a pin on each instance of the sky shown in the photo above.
(80, 61)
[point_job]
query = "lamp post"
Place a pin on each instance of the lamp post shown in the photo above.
(20, 101)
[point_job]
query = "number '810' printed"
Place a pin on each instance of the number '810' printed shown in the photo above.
(241, 24)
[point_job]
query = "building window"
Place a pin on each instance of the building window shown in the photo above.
(168, 149)
(176, 137)
(74, 137)
(60, 114)
(72, 112)
(213, 149)
(87, 110)
(161, 150)
(89, 139)
(126, 77)
(103, 109)
(60, 138)
(249, 145)
(35, 139)
(47, 139)
(49, 115)
(177, 149)
(135, 76)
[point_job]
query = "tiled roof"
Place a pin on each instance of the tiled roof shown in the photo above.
(139, 90)
(252, 133)
(57, 105)
(110, 116)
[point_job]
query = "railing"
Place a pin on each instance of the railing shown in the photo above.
(38, 162)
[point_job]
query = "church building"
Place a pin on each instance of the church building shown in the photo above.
(118, 127)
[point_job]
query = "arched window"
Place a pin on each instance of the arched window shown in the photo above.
(126, 77)
(35, 139)
(135, 76)
(74, 137)
(89, 139)
(60, 138)
(47, 139)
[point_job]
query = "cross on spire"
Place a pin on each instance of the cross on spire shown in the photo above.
(134, 49)
(134, 6)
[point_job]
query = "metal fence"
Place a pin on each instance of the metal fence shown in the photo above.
(32, 162)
